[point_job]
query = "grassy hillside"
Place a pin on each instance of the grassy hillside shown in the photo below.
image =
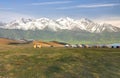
(27, 62)
(5, 41)
(64, 36)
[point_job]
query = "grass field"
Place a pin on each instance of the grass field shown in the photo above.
(23, 61)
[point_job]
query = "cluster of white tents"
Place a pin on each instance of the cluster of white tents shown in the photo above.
(77, 45)
(116, 45)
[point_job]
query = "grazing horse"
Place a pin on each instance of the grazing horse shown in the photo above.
(37, 45)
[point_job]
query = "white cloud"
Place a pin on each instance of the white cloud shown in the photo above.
(50, 3)
(90, 6)
(114, 20)
(97, 5)
(10, 16)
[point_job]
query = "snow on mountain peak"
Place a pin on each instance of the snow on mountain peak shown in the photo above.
(60, 24)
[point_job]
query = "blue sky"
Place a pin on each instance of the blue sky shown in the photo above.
(93, 9)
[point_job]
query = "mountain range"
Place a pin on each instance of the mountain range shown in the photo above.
(67, 23)
(64, 29)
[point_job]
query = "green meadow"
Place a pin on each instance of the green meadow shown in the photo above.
(23, 61)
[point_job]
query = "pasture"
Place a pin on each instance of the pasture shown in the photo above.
(23, 61)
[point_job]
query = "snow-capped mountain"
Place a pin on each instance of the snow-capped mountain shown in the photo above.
(82, 24)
